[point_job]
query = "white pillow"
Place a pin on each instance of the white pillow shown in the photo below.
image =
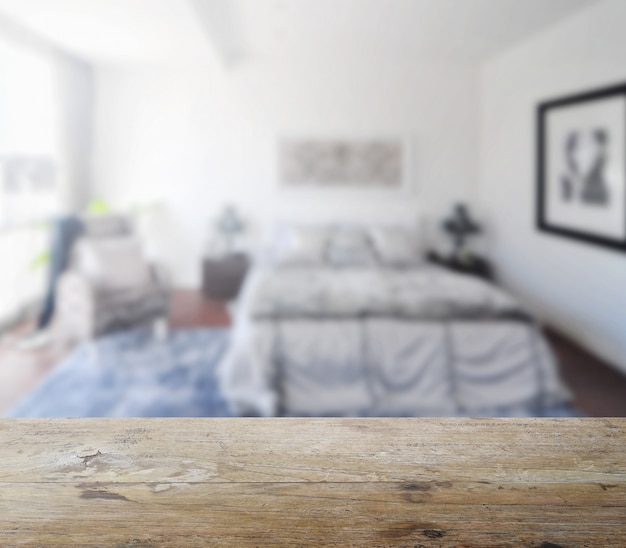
(106, 226)
(301, 245)
(112, 263)
(395, 246)
(350, 247)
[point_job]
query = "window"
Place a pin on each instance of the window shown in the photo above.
(30, 178)
(29, 137)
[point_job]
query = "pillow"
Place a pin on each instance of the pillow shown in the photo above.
(395, 246)
(112, 263)
(106, 226)
(350, 247)
(300, 245)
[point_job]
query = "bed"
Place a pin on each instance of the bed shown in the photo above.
(361, 336)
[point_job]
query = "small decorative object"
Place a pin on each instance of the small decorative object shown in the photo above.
(581, 167)
(460, 226)
(374, 163)
(228, 226)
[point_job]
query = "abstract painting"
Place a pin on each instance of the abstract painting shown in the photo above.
(581, 167)
(343, 163)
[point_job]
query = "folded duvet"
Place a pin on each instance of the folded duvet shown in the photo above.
(428, 293)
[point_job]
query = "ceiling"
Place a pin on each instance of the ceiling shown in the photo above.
(114, 31)
(452, 30)
(127, 31)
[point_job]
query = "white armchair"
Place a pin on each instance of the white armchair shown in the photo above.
(109, 286)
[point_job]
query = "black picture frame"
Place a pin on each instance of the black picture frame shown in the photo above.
(544, 109)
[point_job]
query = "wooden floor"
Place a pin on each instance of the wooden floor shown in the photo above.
(191, 309)
(599, 390)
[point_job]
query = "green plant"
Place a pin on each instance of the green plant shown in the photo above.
(95, 207)
(39, 261)
(98, 207)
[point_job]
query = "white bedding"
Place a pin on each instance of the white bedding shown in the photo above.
(420, 293)
(380, 342)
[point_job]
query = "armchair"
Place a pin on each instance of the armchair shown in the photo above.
(109, 286)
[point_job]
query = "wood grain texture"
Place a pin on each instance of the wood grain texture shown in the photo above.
(343, 482)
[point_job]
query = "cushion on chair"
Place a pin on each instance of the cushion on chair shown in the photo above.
(106, 226)
(112, 263)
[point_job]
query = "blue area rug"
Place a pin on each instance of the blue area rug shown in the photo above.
(132, 374)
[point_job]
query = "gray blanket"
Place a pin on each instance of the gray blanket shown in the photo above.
(425, 294)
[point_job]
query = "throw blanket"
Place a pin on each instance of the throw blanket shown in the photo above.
(65, 232)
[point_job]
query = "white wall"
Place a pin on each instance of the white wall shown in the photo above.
(196, 138)
(578, 287)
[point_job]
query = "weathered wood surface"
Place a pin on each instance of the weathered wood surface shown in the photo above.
(345, 482)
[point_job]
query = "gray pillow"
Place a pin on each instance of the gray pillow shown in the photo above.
(395, 246)
(350, 248)
(301, 246)
(106, 226)
(112, 263)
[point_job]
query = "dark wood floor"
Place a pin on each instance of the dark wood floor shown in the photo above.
(599, 390)
(191, 309)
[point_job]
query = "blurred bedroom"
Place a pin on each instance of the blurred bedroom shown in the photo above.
(312, 208)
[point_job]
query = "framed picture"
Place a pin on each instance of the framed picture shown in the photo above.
(344, 163)
(581, 167)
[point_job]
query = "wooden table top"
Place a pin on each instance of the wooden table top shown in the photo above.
(344, 482)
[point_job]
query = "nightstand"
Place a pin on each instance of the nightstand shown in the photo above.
(222, 277)
(473, 265)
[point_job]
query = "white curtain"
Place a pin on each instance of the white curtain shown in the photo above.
(45, 136)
